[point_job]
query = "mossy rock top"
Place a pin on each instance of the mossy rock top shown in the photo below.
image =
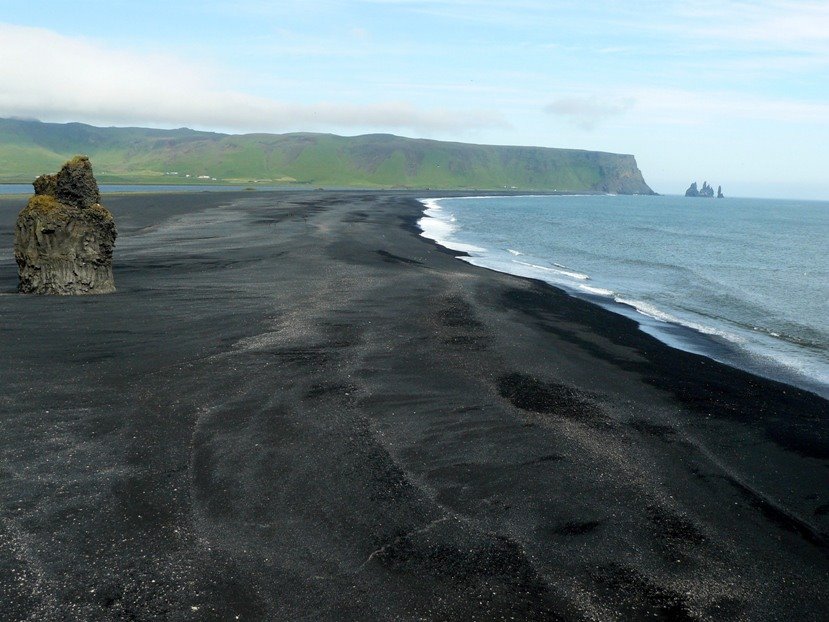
(70, 190)
(74, 184)
(49, 207)
(45, 205)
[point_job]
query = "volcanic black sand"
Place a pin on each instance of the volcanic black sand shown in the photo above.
(294, 408)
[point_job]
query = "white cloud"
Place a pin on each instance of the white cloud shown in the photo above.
(54, 77)
(646, 106)
(778, 36)
(588, 112)
(684, 107)
(789, 24)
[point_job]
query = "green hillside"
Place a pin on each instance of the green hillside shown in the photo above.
(139, 155)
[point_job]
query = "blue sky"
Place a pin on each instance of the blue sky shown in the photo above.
(736, 93)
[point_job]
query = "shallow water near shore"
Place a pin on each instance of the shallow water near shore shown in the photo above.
(743, 281)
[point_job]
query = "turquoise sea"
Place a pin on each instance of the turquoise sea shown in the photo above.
(744, 281)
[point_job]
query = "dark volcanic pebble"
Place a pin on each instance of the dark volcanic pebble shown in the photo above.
(294, 408)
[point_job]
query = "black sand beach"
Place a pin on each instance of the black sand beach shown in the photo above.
(295, 408)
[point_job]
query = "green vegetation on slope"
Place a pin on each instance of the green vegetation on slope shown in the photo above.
(138, 155)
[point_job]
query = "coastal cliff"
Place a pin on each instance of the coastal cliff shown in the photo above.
(141, 155)
(64, 237)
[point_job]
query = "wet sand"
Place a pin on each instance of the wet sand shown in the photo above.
(295, 408)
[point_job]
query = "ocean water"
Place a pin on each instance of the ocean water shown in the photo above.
(744, 281)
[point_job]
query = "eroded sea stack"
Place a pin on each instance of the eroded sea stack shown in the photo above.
(64, 237)
(706, 191)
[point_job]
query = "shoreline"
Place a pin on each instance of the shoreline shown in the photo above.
(672, 332)
(296, 407)
(818, 411)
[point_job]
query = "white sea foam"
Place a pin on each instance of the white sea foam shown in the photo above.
(599, 291)
(646, 309)
(436, 228)
(458, 246)
(439, 226)
(431, 203)
(516, 253)
(573, 275)
(655, 313)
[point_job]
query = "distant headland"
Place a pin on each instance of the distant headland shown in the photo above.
(185, 156)
(706, 191)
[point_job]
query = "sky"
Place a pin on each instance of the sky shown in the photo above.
(735, 93)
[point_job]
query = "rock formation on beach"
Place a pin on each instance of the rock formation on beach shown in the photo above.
(64, 237)
(706, 190)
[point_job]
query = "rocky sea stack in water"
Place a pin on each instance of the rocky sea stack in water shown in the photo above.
(706, 191)
(64, 237)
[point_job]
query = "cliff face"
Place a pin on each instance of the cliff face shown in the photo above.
(64, 237)
(622, 176)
